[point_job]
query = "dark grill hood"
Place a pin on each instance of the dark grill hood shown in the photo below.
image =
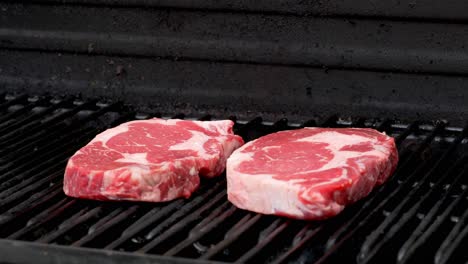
(392, 59)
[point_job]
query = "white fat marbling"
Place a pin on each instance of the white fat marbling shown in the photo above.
(139, 158)
(339, 140)
(196, 142)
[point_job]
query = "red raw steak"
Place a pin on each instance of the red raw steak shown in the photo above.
(150, 160)
(310, 173)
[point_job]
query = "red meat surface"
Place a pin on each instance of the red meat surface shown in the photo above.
(310, 173)
(150, 160)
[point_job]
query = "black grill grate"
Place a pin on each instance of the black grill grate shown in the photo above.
(420, 214)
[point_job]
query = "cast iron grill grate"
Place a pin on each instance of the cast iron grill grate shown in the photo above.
(420, 214)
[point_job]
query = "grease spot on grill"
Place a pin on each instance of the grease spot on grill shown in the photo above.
(200, 248)
(454, 219)
(138, 240)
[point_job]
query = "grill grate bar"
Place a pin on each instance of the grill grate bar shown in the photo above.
(243, 224)
(265, 238)
(18, 99)
(106, 223)
(30, 204)
(4, 119)
(19, 124)
(10, 195)
(375, 235)
(453, 241)
(30, 159)
(408, 159)
(50, 157)
(44, 217)
(209, 227)
(54, 126)
(10, 185)
(96, 229)
(52, 139)
(73, 221)
(149, 218)
(180, 224)
(233, 234)
(208, 219)
(302, 237)
(375, 241)
(147, 221)
(410, 129)
(40, 127)
(432, 221)
(217, 217)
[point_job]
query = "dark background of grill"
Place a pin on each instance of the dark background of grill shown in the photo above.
(405, 59)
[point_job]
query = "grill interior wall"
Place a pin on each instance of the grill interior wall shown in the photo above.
(397, 59)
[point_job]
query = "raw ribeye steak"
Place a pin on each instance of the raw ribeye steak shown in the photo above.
(150, 160)
(309, 173)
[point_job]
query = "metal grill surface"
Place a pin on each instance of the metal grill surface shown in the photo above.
(419, 214)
